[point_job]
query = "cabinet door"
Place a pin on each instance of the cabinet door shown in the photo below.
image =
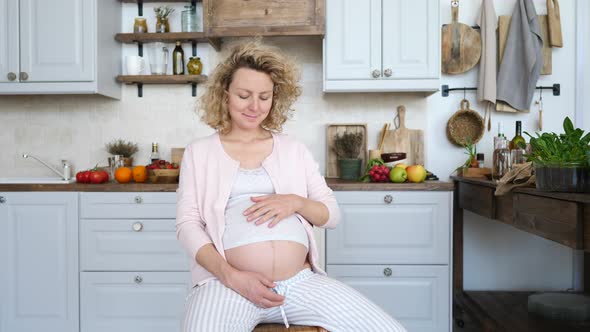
(414, 228)
(128, 205)
(8, 39)
(411, 39)
(57, 40)
(132, 301)
(39, 259)
(417, 296)
(353, 39)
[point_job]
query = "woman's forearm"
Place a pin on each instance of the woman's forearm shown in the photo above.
(209, 258)
(313, 211)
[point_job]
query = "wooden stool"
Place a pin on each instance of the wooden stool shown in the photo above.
(292, 328)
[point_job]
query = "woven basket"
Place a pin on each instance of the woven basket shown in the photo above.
(465, 125)
(163, 175)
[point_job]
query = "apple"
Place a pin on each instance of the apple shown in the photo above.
(416, 173)
(401, 165)
(398, 175)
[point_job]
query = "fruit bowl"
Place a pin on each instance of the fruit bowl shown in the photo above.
(163, 175)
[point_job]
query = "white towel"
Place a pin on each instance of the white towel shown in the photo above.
(488, 23)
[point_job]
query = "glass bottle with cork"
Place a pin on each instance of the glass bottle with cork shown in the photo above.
(178, 59)
(501, 155)
(155, 155)
(517, 147)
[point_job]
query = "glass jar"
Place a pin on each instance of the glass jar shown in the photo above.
(189, 19)
(194, 66)
(162, 25)
(140, 25)
(501, 159)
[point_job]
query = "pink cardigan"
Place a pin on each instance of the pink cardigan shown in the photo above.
(207, 175)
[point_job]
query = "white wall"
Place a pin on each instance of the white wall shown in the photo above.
(496, 256)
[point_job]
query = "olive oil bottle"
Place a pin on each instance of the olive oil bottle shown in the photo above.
(178, 60)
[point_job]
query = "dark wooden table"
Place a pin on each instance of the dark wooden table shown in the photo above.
(560, 217)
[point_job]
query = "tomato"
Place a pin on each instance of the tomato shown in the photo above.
(80, 177)
(98, 177)
(85, 177)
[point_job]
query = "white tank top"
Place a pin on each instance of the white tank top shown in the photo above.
(238, 231)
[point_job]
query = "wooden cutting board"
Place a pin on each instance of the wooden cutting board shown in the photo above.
(402, 139)
(460, 46)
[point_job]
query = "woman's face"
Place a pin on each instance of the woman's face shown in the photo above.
(249, 98)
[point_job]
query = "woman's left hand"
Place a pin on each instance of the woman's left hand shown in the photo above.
(272, 206)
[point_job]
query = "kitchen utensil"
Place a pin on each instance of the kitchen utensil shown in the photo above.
(465, 126)
(461, 45)
(504, 27)
(402, 139)
(554, 23)
(158, 54)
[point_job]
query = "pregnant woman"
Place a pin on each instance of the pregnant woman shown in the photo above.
(248, 200)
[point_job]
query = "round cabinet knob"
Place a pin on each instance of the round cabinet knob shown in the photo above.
(11, 76)
(138, 279)
(2, 199)
(137, 226)
(138, 199)
(376, 73)
(388, 199)
(387, 72)
(24, 76)
(387, 272)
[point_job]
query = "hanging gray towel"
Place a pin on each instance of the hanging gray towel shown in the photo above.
(523, 57)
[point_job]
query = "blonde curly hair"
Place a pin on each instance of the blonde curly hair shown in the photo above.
(282, 70)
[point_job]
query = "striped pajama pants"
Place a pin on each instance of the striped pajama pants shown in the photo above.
(310, 299)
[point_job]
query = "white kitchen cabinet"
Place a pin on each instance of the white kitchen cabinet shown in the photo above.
(395, 248)
(132, 301)
(134, 273)
(59, 46)
(39, 259)
(382, 45)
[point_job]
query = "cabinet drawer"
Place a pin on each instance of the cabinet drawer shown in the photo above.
(417, 296)
(132, 302)
(128, 205)
(414, 228)
(130, 245)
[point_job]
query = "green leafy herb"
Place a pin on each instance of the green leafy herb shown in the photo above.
(559, 149)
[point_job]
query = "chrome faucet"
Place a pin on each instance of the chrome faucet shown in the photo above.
(66, 172)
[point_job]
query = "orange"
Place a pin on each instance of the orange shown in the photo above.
(139, 174)
(123, 175)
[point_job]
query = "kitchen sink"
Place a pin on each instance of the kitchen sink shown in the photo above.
(32, 180)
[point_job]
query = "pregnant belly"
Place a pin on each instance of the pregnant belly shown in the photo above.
(276, 260)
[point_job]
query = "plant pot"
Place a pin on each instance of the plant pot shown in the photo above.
(350, 169)
(564, 177)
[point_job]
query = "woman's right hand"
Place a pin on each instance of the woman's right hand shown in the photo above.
(255, 287)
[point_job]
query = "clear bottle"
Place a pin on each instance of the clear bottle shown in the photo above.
(501, 159)
(155, 155)
(518, 141)
(178, 60)
(480, 159)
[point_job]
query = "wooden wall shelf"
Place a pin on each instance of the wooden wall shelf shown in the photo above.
(170, 37)
(146, 1)
(162, 79)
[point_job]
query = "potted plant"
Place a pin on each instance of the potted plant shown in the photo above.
(560, 161)
(162, 13)
(126, 149)
(347, 147)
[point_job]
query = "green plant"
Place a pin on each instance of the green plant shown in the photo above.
(471, 152)
(554, 149)
(163, 11)
(348, 145)
(121, 147)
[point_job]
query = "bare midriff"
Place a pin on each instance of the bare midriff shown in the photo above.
(276, 260)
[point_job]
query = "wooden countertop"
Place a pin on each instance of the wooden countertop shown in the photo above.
(335, 184)
(572, 197)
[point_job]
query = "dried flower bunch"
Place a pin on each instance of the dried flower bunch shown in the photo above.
(163, 11)
(121, 147)
(348, 145)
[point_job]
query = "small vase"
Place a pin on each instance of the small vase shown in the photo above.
(127, 161)
(194, 66)
(162, 25)
(350, 169)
